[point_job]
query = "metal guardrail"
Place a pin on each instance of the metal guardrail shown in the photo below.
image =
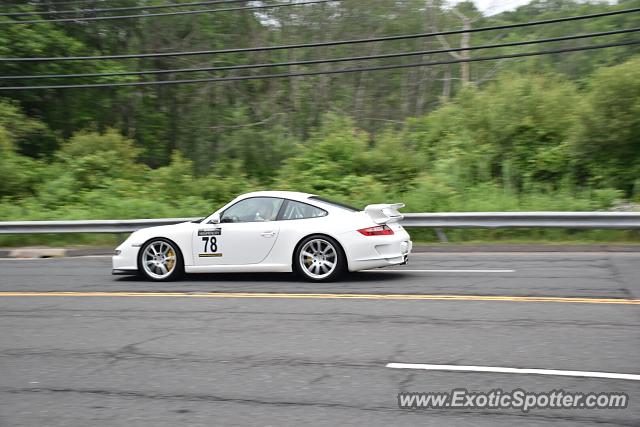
(85, 226)
(576, 220)
(585, 220)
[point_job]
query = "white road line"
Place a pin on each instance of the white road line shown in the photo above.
(51, 258)
(91, 256)
(440, 271)
(501, 370)
(377, 270)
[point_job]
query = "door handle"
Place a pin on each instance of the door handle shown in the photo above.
(268, 233)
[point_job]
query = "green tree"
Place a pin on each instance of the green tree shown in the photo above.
(19, 173)
(93, 159)
(515, 131)
(607, 141)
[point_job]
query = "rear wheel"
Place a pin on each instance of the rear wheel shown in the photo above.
(160, 260)
(319, 259)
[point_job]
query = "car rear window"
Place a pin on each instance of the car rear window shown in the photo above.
(334, 203)
(299, 210)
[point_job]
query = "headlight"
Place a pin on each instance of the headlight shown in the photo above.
(117, 252)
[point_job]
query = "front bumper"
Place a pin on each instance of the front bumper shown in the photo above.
(126, 258)
(120, 272)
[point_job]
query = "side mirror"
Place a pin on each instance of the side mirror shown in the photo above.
(215, 219)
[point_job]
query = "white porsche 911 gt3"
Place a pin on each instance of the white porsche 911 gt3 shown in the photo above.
(270, 231)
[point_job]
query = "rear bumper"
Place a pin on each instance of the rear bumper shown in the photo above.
(378, 263)
(382, 251)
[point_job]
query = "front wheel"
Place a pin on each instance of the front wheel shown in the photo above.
(160, 260)
(319, 259)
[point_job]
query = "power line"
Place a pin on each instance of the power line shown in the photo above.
(57, 3)
(321, 61)
(320, 44)
(323, 72)
(120, 9)
(154, 15)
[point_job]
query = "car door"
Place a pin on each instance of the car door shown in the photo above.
(245, 235)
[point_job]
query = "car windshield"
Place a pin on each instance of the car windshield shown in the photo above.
(253, 209)
(334, 203)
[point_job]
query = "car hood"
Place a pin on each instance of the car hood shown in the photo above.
(144, 234)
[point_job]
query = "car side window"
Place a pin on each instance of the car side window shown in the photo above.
(299, 210)
(254, 209)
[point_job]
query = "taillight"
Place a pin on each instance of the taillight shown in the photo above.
(379, 230)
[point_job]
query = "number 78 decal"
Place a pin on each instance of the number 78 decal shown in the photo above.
(210, 247)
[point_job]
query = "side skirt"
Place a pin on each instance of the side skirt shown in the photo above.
(252, 268)
(120, 272)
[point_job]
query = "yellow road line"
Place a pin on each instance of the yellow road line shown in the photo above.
(326, 296)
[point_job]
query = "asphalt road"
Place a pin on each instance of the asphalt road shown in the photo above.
(196, 359)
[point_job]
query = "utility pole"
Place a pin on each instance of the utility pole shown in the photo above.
(464, 44)
(465, 40)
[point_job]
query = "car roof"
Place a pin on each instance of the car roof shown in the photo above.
(293, 195)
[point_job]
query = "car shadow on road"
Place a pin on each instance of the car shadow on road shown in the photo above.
(357, 277)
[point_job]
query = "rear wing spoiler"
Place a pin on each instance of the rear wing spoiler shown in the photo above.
(383, 213)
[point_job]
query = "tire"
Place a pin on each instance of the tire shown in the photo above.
(160, 260)
(319, 258)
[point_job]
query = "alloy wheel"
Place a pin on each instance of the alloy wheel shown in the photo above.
(318, 258)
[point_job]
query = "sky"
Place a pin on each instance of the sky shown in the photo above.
(491, 7)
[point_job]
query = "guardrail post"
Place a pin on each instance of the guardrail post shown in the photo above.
(441, 235)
